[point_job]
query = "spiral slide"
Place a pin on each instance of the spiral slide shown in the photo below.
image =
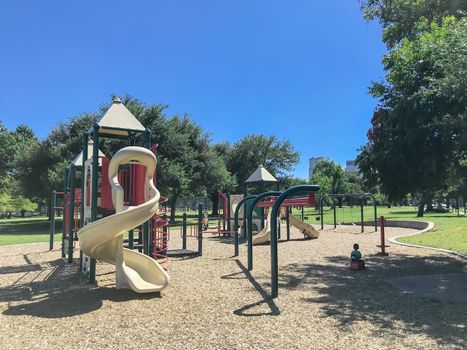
(103, 239)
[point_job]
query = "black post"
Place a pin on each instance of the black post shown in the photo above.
(287, 222)
(303, 215)
(321, 210)
(200, 229)
(184, 231)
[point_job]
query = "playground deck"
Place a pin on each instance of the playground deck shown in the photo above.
(213, 302)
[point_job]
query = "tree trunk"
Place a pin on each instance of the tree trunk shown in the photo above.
(173, 202)
(421, 205)
(215, 203)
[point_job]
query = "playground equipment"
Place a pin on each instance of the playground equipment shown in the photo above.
(267, 200)
(88, 188)
(360, 199)
(102, 239)
(53, 207)
(274, 213)
(383, 245)
(190, 229)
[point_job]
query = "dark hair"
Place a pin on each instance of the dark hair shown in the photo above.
(356, 246)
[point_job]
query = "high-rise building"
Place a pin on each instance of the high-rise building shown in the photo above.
(312, 164)
(351, 167)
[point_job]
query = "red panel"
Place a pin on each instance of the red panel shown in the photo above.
(106, 189)
(138, 183)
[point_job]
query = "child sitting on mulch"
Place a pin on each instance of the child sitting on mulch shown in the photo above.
(356, 261)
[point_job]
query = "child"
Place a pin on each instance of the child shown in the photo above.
(356, 256)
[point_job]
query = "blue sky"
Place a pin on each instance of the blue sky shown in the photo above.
(297, 69)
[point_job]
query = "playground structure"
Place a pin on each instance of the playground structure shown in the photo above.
(357, 200)
(102, 239)
(104, 198)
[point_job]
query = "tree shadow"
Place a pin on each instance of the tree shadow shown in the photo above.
(63, 292)
(355, 296)
(266, 299)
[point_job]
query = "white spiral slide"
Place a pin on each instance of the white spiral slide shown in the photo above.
(103, 239)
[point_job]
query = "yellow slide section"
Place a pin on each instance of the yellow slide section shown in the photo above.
(103, 239)
(304, 228)
(263, 235)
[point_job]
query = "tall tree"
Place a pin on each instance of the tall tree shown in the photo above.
(330, 177)
(418, 134)
(278, 157)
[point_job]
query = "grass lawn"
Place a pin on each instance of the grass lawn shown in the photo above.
(450, 231)
(28, 230)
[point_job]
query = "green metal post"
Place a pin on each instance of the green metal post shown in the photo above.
(65, 185)
(361, 215)
(53, 200)
(287, 222)
(321, 210)
(334, 207)
(94, 190)
(131, 238)
(72, 174)
(236, 226)
(184, 231)
(274, 254)
(250, 207)
(200, 229)
(83, 180)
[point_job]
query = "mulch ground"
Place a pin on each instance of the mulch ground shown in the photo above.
(213, 302)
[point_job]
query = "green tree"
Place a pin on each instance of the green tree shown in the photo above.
(278, 157)
(330, 177)
(400, 18)
(418, 134)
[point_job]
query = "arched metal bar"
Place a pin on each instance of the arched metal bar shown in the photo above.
(275, 209)
(249, 218)
(237, 209)
(366, 195)
(322, 209)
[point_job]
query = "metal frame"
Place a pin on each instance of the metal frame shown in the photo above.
(236, 226)
(275, 210)
(360, 197)
(249, 217)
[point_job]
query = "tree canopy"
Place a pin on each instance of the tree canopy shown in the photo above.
(417, 138)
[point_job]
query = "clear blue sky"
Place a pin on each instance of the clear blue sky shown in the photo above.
(297, 69)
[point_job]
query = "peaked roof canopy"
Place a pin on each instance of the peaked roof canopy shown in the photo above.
(118, 120)
(78, 161)
(261, 175)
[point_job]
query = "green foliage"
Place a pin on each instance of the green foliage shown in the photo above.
(330, 178)
(400, 18)
(278, 157)
(418, 134)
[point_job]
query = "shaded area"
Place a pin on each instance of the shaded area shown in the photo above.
(266, 299)
(354, 296)
(450, 287)
(59, 290)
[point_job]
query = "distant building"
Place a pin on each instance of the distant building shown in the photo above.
(312, 164)
(351, 167)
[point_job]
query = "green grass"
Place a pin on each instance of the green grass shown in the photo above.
(28, 230)
(450, 231)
